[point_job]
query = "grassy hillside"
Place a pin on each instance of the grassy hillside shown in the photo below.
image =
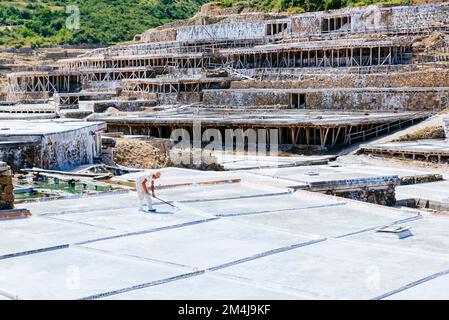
(41, 23)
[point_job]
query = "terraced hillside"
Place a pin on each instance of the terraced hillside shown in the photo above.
(42, 23)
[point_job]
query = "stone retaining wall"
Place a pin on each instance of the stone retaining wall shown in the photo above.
(125, 105)
(373, 18)
(378, 190)
(423, 78)
(6, 187)
(334, 99)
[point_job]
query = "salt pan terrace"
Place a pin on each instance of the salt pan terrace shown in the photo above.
(248, 239)
(49, 144)
(436, 151)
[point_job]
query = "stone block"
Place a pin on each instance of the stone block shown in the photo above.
(7, 189)
(5, 180)
(7, 198)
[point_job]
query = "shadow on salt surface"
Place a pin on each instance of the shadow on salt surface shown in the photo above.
(18, 236)
(2, 297)
(198, 192)
(328, 220)
(79, 224)
(133, 219)
(259, 205)
(63, 222)
(76, 273)
(431, 289)
(204, 245)
(339, 269)
(208, 286)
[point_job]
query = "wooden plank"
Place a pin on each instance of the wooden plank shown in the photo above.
(132, 184)
(14, 214)
(62, 173)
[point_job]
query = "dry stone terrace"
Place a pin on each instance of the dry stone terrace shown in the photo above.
(219, 64)
(241, 44)
(367, 70)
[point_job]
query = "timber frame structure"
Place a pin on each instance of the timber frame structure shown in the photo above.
(323, 54)
(211, 69)
(434, 153)
(293, 130)
(174, 85)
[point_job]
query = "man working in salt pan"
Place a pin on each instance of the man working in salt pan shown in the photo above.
(145, 194)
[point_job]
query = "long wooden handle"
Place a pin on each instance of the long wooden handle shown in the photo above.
(163, 201)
